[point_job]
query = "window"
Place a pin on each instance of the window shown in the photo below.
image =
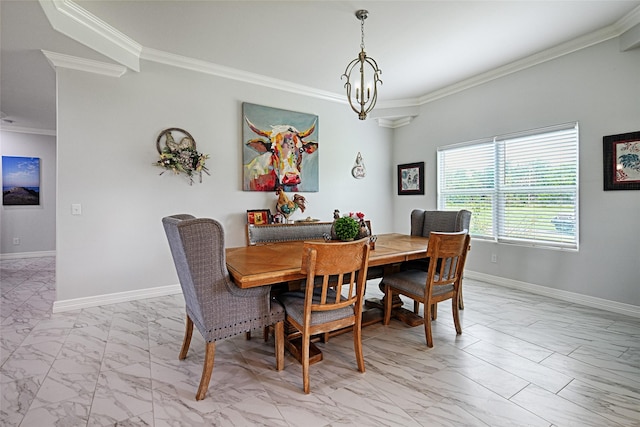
(521, 188)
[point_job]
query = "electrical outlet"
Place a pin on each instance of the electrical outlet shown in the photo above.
(494, 258)
(16, 240)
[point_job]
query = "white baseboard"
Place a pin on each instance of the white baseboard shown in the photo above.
(603, 304)
(79, 303)
(18, 255)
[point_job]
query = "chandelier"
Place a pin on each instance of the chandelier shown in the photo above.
(363, 101)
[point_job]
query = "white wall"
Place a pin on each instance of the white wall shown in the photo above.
(34, 225)
(600, 88)
(107, 130)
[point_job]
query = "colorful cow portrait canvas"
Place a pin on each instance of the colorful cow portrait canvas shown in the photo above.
(20, 180)
(280, 149)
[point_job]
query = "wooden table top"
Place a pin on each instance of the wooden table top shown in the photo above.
(252, 266)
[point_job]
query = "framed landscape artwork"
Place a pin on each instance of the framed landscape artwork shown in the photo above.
(279, 149)
(411, 178)
(20, 181)
(621, 161)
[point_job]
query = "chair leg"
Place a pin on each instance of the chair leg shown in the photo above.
(279, 338)
(416, 306)
(434, 311)
(427, 323)
(456, 315)
(388, 296)
(305, 362)
(460, 302)
(266, 332)
(247, 335)
(357, 345)
(187, 339)
(207, 369)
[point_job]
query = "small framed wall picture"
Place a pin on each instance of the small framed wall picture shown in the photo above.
(621, 161)
(259, 216)
(411, 178)
(20, 181)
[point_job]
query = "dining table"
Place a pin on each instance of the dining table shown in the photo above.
(275, 263)
(272, 263)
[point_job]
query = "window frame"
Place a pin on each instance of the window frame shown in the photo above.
(493, 198)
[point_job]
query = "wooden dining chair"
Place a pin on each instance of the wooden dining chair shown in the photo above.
(447, 253)
(333, 295)
(214, 304)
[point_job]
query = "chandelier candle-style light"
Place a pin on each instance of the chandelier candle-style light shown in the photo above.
(364, 100)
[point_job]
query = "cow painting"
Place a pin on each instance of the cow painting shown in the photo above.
(279, 152)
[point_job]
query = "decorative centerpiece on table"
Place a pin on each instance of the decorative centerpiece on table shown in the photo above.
(349, 227)
(364, 228)
(180, 157)
(286, 207)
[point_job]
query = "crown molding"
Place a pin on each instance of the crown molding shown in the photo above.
(628, 21)
(394, 123)
(394, 117)
(32, 131)
(73, 21)
(528, 62)
(60, 60)
(200, 66)
(630, 30)
(630, 39)
(235, 74)
(614, 30)
(77, 23)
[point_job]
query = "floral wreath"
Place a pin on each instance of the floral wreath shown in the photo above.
(180, 157)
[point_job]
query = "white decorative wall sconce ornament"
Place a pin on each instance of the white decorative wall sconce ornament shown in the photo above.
(359, 171)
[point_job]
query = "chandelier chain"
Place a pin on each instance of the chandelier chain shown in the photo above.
(362, 33)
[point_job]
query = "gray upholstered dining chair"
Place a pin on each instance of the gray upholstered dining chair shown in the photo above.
(333, 295)
(424, 222)
(217, 307)
(447, 253)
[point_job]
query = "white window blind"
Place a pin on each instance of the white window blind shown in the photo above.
(521, 188)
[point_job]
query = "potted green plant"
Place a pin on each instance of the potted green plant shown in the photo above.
(346, 228)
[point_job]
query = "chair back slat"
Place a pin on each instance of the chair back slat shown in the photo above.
(448, 250)
(335, 265)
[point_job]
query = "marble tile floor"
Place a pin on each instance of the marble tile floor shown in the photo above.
(522, 360)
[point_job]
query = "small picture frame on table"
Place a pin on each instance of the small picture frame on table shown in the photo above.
(259, 216)
(621, 161)
(411, 178)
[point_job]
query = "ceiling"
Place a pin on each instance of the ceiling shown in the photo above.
(422, 47)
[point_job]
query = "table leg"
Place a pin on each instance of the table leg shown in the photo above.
(397, 311)
(295, 348)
